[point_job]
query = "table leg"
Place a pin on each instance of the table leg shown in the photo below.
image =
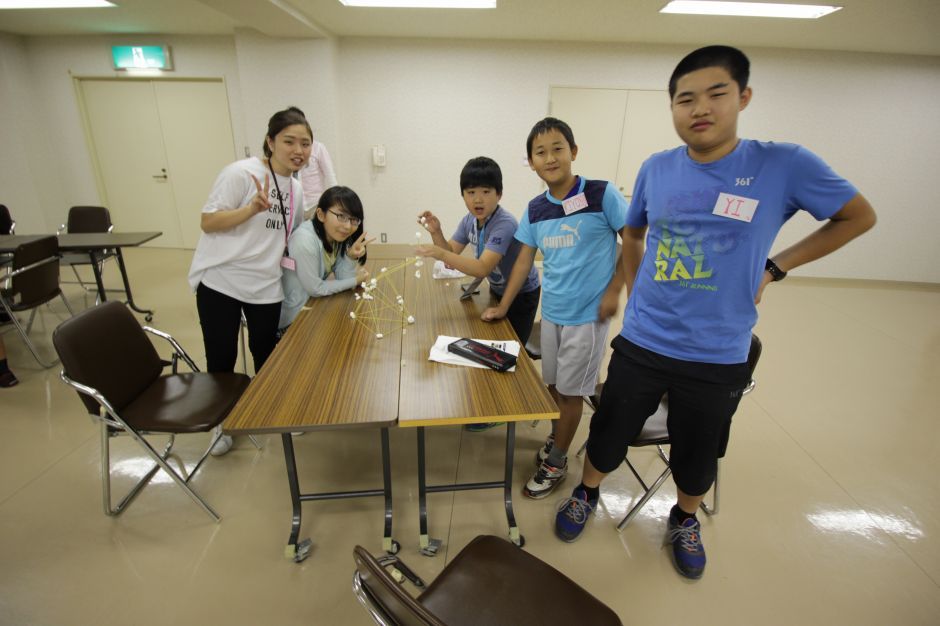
(102, 296)
(294, 550)
(514, 534)
(426, 545)
(148, 314)
(388, 544)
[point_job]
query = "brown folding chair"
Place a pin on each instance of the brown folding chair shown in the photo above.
(87, 219)
(108, 358)
(33, 277)
(491, 582)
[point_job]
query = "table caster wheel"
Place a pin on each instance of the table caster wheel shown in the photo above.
(148, 317)
(393, 548)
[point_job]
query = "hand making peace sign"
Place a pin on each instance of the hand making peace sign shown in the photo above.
(261, 201)
(358, 248)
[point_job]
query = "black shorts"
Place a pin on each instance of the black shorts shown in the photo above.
(702, 399)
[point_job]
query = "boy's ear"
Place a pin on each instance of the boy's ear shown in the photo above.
(531, 166)
(746, 98)
(574, 153)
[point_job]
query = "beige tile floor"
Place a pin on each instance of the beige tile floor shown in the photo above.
(830, 509)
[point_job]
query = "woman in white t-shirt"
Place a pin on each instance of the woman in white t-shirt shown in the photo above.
(252, 209)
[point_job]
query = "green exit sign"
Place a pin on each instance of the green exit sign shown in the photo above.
(141, 57)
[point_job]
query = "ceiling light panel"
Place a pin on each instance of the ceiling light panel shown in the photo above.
(422, 4)
(748, 9)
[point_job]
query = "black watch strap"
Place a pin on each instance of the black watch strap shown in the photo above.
(775, 272)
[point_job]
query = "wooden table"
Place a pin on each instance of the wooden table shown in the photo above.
(94, 244)
(375, 383)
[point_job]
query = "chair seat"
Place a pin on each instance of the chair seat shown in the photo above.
(185, 403)
(494, 582)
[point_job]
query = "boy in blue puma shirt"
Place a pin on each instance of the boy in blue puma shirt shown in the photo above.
(575, 225)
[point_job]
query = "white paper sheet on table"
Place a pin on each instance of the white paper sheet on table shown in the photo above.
(440, 354)
(440, 271)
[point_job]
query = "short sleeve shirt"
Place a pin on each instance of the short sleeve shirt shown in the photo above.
(711, 227)
(498, 236)
(579, 247)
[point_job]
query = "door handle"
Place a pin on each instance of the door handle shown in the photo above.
(162, 176)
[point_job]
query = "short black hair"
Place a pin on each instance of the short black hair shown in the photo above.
(481, 172)
(731, 59)
(349, 201)
(549, 124)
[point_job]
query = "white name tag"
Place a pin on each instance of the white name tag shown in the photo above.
(574, 203)
(288, 263)
(735, 207)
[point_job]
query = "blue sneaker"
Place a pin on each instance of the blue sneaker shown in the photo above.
(688, 553)
(573, 515)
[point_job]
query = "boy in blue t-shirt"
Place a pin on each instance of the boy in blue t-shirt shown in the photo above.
(712, 209)
(575, 225)
(490, 229)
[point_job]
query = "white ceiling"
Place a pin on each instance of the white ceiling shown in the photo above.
(888, 26)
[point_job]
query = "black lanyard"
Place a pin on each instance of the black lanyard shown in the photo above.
(280, 200)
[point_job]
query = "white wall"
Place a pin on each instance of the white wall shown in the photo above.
(278, 73)
(21, 145)
(436, 103)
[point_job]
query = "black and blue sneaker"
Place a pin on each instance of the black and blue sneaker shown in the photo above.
(688, 553)
(573, 515)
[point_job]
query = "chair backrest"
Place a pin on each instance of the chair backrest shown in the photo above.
(655, 431)
(88, 219)
(391, 600)
(6, 221)
(104, 347)
(753, 355)
(39, 284)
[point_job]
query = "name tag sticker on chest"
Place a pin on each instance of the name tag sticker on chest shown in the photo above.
(735, 207)
(574, 203)
(289, 263)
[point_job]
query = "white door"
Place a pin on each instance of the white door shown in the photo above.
(128, 146)
(197, 134)
(158, 144)
(596, 119)
(647, 129)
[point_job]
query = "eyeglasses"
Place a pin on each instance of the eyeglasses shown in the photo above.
(345, 219)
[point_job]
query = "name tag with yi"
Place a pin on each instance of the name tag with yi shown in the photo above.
(735, 207)
(574, 203)
(289, 263)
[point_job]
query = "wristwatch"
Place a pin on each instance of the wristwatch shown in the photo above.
(775, 272)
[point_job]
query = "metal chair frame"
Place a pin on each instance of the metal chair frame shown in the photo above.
(112, 425)
(8, 308)
(650, 490)
(658, 440)
(399, 572)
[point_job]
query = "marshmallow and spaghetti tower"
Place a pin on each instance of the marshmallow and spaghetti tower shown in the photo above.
(380, 308)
